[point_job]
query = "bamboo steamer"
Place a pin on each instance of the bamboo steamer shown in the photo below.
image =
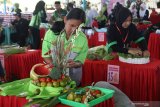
(39, 70)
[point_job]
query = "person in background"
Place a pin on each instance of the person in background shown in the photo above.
(16, 8)
(122, 32)
(77, 53)
(138, 3)
(38, 17)
(154, 12)
(133, 10)
(69, 6)
(21, 26)
(143, 12)
(91, 13)
(59, 13)
(2, 73)
(101, 19)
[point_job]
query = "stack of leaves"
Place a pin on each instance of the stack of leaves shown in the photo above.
(99, 53)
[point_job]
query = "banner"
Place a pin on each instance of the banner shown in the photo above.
(113, 74)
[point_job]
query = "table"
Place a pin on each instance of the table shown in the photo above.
(142, 26)
(18, 66)
(138, 82)
(97, 39)
(12, 101)
(154, 45)
(154, 19)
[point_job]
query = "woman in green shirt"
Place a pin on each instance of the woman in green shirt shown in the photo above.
(39, 16)
(79, 48)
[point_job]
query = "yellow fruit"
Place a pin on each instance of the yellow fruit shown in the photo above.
(43, 84)
(77, 99)
(56, 84)
(70, 96)
(49, 84)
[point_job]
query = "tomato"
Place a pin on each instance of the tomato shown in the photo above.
(42, 79)
(48, 79)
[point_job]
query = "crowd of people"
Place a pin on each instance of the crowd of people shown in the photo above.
(121, 32)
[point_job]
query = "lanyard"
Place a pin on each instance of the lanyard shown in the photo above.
(124, 39)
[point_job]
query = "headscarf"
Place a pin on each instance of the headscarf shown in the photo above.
(142, 12)
(122, 15)
(133, 11)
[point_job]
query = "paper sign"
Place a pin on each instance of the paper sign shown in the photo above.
(101, 37)
(2, 60)
(113, 74)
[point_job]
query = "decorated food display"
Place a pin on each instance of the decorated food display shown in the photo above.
(86, 97)
(133, 59)
(11, 49)
(49, 83)
(99, 53)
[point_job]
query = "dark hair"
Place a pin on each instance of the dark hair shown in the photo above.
(57, 2)
(40, 6)
(17, 14)
(119, 14)
(57, 27)
(78, 14)
(69, 6)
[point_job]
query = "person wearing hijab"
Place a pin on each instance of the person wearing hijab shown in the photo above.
(143, 13)
(123, 32)
(133, 10)
(39, 16)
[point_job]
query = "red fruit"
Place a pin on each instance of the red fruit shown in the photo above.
(42, 79)
(53, 80)
(62, 76)
(97, 92)
(48, 80)
(59, 80)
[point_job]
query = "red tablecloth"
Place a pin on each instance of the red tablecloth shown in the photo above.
(142, 26)
(12, 101)
(154, 19)
(97, 39)
(139, 82)
(154, 45)
(18, 66)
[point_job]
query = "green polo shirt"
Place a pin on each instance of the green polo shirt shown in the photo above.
(57, 16)
(36, 20)
(80, 45)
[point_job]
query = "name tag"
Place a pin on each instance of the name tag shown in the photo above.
(101, 37)
(113, 74)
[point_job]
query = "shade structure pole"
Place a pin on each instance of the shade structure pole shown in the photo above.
(84, 5)
(4, 7)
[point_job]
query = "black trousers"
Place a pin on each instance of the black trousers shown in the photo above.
(19, 38)
(1, 70)
(36, 37)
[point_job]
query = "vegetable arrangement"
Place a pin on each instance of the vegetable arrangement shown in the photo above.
(99, 53)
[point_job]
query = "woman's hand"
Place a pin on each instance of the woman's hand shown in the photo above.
(72, 64)
(146, 53)
(135, 51)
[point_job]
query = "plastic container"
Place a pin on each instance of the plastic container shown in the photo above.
(107, 94)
